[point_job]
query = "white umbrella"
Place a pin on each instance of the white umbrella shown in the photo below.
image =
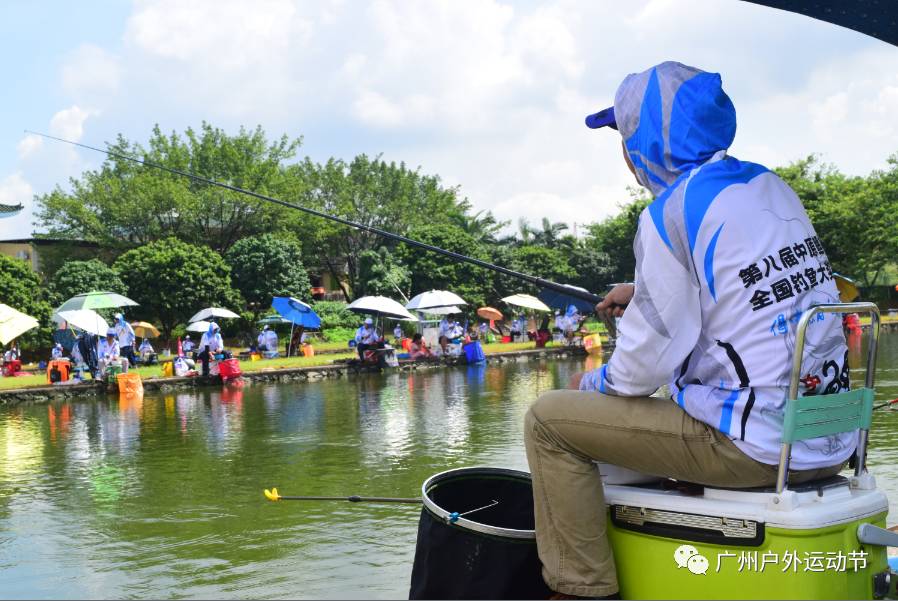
(526, 301)
(14, 323)
(199, 326)
(83, 319)
(211, 312)
(382, 306)
(433, 299)
(441, 310)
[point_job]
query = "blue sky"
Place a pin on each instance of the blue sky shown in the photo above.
(490, 94)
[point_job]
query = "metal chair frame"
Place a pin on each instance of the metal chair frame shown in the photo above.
(823, 415)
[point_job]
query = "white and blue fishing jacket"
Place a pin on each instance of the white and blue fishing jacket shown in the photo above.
(726, 262)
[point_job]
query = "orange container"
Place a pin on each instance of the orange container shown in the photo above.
(62, 371)
(129, 384)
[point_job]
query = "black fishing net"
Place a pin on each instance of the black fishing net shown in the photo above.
(453, 562)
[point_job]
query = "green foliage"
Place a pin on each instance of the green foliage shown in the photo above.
(372, 192)
(614, 237)
(539, 261)
(432, 271)
(21, 289)
(380, 274)
(172, 280)
(265, 266)
(339, 334)
(853, 216)
(124, 204)
(335, 315)
(78, 277)
(592, 269)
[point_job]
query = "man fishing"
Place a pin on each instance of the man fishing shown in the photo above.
(726, 262)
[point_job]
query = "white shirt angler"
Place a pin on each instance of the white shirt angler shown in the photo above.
(215, 342)
(397, 332)
(187, 345)
(108, 350)
(445, 326)
(125, 333)
(366, 336)
(727, 262)
(271, 340)
(56, 353)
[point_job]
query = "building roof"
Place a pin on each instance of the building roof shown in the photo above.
(10, 209)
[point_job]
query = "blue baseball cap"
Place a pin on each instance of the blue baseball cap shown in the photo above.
(604, 118)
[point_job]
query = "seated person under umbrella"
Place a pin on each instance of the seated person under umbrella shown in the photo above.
(57, 352)
(12, 354)
(146, 351)
(187, 344)
(268, 340)
(109, 352)
(367, 338)
(418, 349)
(572, 319)
(213, 340)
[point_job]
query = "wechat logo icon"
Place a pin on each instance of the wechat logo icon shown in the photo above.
(688, 557)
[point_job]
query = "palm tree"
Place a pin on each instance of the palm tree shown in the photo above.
(482, 226)
(550, 234)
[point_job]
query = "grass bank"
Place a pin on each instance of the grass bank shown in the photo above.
(155, 371)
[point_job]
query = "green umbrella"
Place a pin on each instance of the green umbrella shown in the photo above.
(96, 300)
(272, 320)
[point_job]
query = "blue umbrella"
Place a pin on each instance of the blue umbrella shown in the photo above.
(296, 311)
(560, 300)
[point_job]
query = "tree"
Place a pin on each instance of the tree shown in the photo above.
(482, 225)
(614, 237)
(380, 274)
(539, 261)
(266, 266)
(20, 288)
(372, 192)
(853, 216)
(77, 277)
(593, 269)
(172, 280)
(124, 204)
(429, 270)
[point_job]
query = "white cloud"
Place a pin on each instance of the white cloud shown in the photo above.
(490, 95)
(28, 145)
(69, 123)
(91, 71)
(14, 189)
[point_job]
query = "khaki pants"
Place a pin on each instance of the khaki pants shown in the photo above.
(565, 431)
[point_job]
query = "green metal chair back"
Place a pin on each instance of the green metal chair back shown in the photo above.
(824, 415)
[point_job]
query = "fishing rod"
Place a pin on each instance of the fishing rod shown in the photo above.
(537, 281)
(273, 495)
(885, 404)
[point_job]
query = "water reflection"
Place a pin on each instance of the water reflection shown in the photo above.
(161, 495)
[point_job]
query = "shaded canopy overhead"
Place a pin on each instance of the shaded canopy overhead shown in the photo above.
(876, 18)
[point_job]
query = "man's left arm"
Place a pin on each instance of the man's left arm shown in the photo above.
(661, 324)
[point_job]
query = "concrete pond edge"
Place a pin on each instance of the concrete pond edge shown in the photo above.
(45, 394)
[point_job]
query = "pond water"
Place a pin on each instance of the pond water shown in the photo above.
(162, 497)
